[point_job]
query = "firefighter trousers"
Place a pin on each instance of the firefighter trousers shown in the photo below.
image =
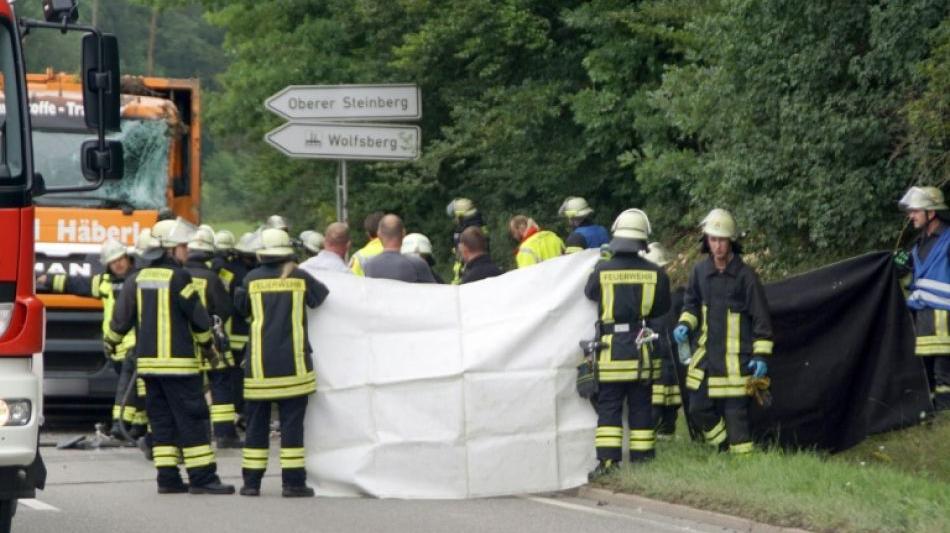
(721, 419)
(257, 439)
(178, 415)
(609, 436)
(938, 375)
(222, 402)
(666, 398)
(134, 412)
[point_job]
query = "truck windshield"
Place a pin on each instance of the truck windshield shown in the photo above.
(145, 144)
(11, 145)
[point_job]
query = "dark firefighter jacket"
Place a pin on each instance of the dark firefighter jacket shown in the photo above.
(213, 296)
(628, 290)
(231, 271)
(278, 362)
(731, 308)
(161, 303)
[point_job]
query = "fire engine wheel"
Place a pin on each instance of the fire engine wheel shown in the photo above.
(7, 510)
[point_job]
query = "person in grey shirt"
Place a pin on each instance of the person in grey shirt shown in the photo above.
(391, 264)
(336, 245)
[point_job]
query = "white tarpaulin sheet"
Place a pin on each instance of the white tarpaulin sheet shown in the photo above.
(429, 391)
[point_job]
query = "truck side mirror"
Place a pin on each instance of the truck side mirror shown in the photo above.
(100, 81)
(60, 11)
(107, 163)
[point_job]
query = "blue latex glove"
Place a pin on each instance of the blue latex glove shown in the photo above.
(759, 367)
(681, 333)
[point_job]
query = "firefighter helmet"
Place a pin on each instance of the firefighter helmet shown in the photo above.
(249, 243)
(720, 223)
(632, 224)
(460, 208)
(206, 227)
(171, 233)
(575, 207)
(275, 243)
(224, 240)
(923, 199)
(656, 253)
(312, 241)
(146, 246)
(417, 244)
(277, 222)
(111, 250)
(202, 240)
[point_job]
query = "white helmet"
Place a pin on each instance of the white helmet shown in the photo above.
(460, 208)
(206, 227)
(632, 224)
(311, 240)
(275, 243)
(276, 222)
(224, 240)
(111, 250)
(171, 233)
(416, 243)
(249, 243)
(720, 223)
(574, 207)
(202, 240)
(146, 246)
(656, 253)
(923, 199)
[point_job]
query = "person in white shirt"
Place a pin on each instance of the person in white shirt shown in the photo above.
(336, 245)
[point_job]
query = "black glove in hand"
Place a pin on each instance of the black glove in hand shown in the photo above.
(212, 356)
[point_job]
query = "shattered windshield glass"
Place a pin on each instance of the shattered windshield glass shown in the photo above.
(145, 147)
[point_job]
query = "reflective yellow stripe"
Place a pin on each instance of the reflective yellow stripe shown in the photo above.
(762, 347)
(716, 435)
(608, 437)
(673, 396)
(202, 337)
(942, 389)
(292, 458)
(646, 302)
(167, 365)
(642, 440)
(189, 291)
(257, 389)
(606, 302)
(113, 337)
(940, 323)
(690, 319)
(277, 285)
(932, 345)
(141, 418)
(257, 326)
(733, 327)
(165, 456)
(140, 387)
(254, 458)
(298, 333)
(226, 277)
(573, 249)
(223, 412)
(59, 283)
(198, 456)
(658, 396)
(727, 387)
(741, 448)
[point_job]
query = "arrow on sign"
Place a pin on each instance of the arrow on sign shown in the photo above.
(347, 102)
(373, 142)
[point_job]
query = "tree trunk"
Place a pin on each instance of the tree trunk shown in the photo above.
(150, 53)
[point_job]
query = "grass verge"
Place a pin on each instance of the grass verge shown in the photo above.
(237, 227)
(904, 486)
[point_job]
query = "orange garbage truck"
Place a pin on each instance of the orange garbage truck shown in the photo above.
(161, 136)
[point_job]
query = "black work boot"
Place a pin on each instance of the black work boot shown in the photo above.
(297, 491)
(215, 487)
(247, 490)
(604, 468)
(179, 488)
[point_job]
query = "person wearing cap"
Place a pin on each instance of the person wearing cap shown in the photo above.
(534, 244)
(584, 233)
(629, 290)
(391, 264)
(107, 287)
(666, 391)
(417, 247)
(217, 301)
(279, 368)
(725, 305)
(173, 334)
(311, 242)
(929, 297)
(336, 245)
(478, 265)
(373, 248)
(465, 214)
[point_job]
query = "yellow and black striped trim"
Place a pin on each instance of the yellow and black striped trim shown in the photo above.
(165, 456)
(608, 437)
(717, 435)
(254, 458)
(642, 440)
(292, 458)
(198, 456)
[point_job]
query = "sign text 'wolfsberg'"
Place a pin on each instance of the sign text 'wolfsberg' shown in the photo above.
(380, 142)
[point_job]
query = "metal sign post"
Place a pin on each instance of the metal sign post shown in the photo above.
(327, 122)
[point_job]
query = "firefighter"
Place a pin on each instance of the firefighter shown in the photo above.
(629, 290)
(161, 303)
(311, 243)
(373, 248)
(584, 233)
(666, 390)
(930, 288)
(725, 304)
(107, 287)
(223, 249)
(465, 215)
(419, 247)
(232, 275)
(279, 368)
(217, 301)
(534, 244)
(277, 222)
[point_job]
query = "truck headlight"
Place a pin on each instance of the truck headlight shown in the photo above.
(15, 412)
(6, 313)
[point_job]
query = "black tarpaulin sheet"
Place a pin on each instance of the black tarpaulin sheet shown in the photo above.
(843, 365)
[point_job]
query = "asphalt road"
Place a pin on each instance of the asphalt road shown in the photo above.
(114, 490)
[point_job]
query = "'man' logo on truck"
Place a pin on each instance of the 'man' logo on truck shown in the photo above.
(86, 230)
(75, 268)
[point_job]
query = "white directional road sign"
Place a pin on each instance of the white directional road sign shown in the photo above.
(379, 142)
(347, 102)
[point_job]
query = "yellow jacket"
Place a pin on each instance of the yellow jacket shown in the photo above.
(372, 249)
(537, 247)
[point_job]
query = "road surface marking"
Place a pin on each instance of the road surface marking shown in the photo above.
(667, 526)
(37, 505)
